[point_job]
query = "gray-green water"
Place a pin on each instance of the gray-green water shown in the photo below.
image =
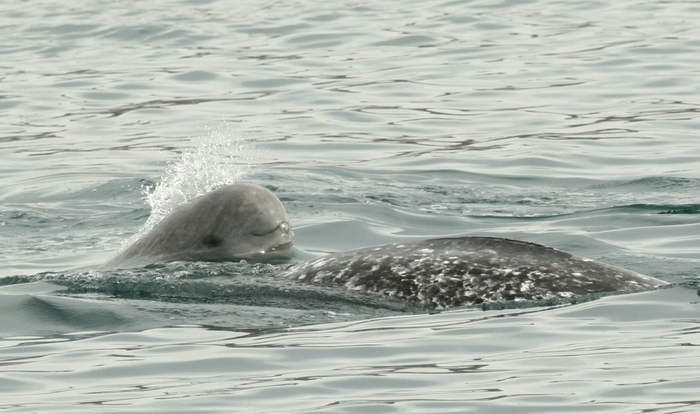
(572, 125)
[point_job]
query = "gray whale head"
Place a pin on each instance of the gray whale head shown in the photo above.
(234, 222)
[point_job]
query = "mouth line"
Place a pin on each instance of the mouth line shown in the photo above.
(281, 246)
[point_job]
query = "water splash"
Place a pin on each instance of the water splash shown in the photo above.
(218, 157)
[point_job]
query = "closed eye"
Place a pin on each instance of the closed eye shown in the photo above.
(283, 225)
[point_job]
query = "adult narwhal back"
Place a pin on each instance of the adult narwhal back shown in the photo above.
(234, 222)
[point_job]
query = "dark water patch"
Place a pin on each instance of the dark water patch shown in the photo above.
(686, 209)
(275, 31)
(27, 136)
(655, 209)
(407, 40)
(152, 104)
(196, 76)
(41, 308)
(655, 184)
(27, 218)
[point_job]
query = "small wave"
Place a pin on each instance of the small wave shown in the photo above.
(200, 282)
(219, 295)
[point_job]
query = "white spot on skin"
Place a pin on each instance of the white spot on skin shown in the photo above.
(320, 263)
(441, 279)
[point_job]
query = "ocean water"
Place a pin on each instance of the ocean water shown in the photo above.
(569, 124)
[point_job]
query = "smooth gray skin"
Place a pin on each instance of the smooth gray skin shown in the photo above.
(450, 272)
(231, 223)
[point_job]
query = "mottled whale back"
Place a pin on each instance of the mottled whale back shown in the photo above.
(444, 273)
(231, 223)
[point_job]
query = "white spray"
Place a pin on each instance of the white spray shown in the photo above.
(218, 157)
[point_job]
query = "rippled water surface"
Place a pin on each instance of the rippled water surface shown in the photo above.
(569, 124)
